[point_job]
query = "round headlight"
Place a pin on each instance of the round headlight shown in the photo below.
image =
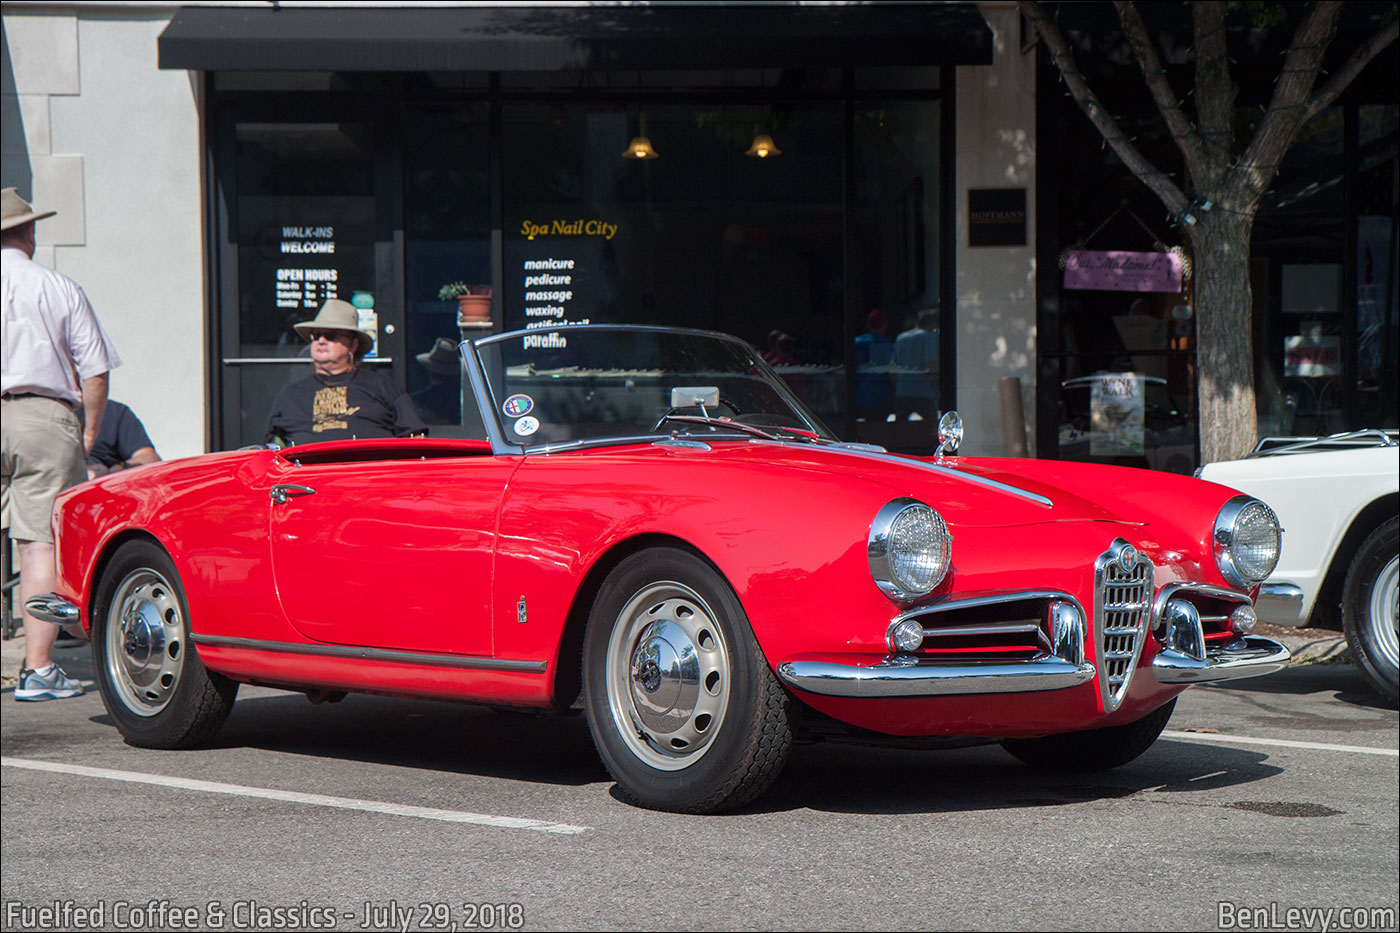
(909, 549)
(1248, 540)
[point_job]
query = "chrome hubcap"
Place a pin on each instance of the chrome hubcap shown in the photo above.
(1381, 611)
(667, 676)
(145, 642)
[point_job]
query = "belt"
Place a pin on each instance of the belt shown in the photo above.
(15, 396)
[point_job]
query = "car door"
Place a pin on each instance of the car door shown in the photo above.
(394, 552)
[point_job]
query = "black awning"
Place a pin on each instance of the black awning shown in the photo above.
(556, 38)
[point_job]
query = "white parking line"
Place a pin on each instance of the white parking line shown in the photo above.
(1284, 743)
(315, 800)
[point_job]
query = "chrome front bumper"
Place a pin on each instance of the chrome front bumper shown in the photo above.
(1248, 656)
(50, 607)
(897, 676)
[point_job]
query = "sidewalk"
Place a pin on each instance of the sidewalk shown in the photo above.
(1309, 646)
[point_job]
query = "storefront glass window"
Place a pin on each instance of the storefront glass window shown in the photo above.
(1377, 268)
(304, 232)
(898, 343)
(447, 243)
(704, 233)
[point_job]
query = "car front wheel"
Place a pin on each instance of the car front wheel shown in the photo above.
(684, 710)
(1369, 609)
(1093, 749)
(151, 679)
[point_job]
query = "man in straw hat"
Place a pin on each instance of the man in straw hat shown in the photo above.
(56, 362)
(341, 399)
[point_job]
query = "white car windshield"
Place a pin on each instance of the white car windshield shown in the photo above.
(594, 383)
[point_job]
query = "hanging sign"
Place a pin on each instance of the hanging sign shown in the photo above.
(1115, 271)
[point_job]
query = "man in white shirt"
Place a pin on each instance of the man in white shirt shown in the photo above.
(56, 360)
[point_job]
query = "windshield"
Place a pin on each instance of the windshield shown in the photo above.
(588, 383)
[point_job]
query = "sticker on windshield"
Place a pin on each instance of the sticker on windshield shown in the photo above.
(526, 426)
(518, 405)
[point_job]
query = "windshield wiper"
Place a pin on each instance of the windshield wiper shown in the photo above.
(739, 426)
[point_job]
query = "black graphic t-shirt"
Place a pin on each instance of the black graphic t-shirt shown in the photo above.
(358, 403)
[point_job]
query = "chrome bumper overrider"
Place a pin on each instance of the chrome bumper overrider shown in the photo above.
(908, 677)
(1280, 604)
(50, 607)
(1248, 656)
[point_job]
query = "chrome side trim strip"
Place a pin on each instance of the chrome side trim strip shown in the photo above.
(353, 653)
(1249, 656)
(50, 607)
(999, 486)
(1280, 604)
(907, 677)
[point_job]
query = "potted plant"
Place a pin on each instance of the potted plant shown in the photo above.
(473, 303)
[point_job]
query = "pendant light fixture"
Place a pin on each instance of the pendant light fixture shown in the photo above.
(640, 148)
(763, 147)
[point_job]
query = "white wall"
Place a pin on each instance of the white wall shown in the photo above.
(95, 130)
(996, 284)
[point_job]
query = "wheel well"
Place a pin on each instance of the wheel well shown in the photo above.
(109, 551)
(568, 667)
(1326, 611)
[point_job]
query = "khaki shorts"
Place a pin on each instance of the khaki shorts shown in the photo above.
(43, 455)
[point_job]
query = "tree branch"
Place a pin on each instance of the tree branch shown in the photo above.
(1289, 107)
(1184, 134)
(1368, 50)
(1089, 102)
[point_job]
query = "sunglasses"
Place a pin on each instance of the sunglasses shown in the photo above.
(332, 335)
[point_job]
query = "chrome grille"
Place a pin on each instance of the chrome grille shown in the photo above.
(1122, 604)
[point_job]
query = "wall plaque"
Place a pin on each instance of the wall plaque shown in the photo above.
(996, 217)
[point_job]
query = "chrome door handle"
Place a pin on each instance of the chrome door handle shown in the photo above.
(284, 492)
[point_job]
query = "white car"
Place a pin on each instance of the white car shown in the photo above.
(1336, 498)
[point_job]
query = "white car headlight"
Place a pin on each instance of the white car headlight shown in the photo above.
(909, 549)
(1248, 540)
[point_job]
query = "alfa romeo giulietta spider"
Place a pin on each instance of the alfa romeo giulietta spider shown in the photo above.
(652, 528)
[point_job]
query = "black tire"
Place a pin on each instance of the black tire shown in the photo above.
(707, 737)
(1093, 749)
(150, 676)
(1369, 609)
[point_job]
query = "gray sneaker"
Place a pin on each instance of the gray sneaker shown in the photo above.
(55, 685)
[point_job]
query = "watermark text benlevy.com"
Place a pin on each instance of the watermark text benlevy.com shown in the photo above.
(1275, 916)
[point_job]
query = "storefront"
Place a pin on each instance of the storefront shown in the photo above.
(779, 173)
(1117, 372)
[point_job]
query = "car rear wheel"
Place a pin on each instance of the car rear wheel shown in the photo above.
(684, 710)
(1093, 749)
(151, 678)
(1369, 609)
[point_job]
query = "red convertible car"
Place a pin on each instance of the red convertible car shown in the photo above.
(655, 530)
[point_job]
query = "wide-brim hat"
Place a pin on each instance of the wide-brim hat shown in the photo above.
(337, 315)
(16, 211)
(443, 359)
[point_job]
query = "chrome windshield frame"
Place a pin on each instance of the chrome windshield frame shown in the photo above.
(487, 406)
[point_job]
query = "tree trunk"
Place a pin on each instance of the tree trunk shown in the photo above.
(1229, 423)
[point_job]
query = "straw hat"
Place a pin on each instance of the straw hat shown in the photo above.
(16, 211)
(443, 359)
(337, 315)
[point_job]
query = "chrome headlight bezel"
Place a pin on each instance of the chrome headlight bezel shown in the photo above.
(1239, 571)
(891, 569)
